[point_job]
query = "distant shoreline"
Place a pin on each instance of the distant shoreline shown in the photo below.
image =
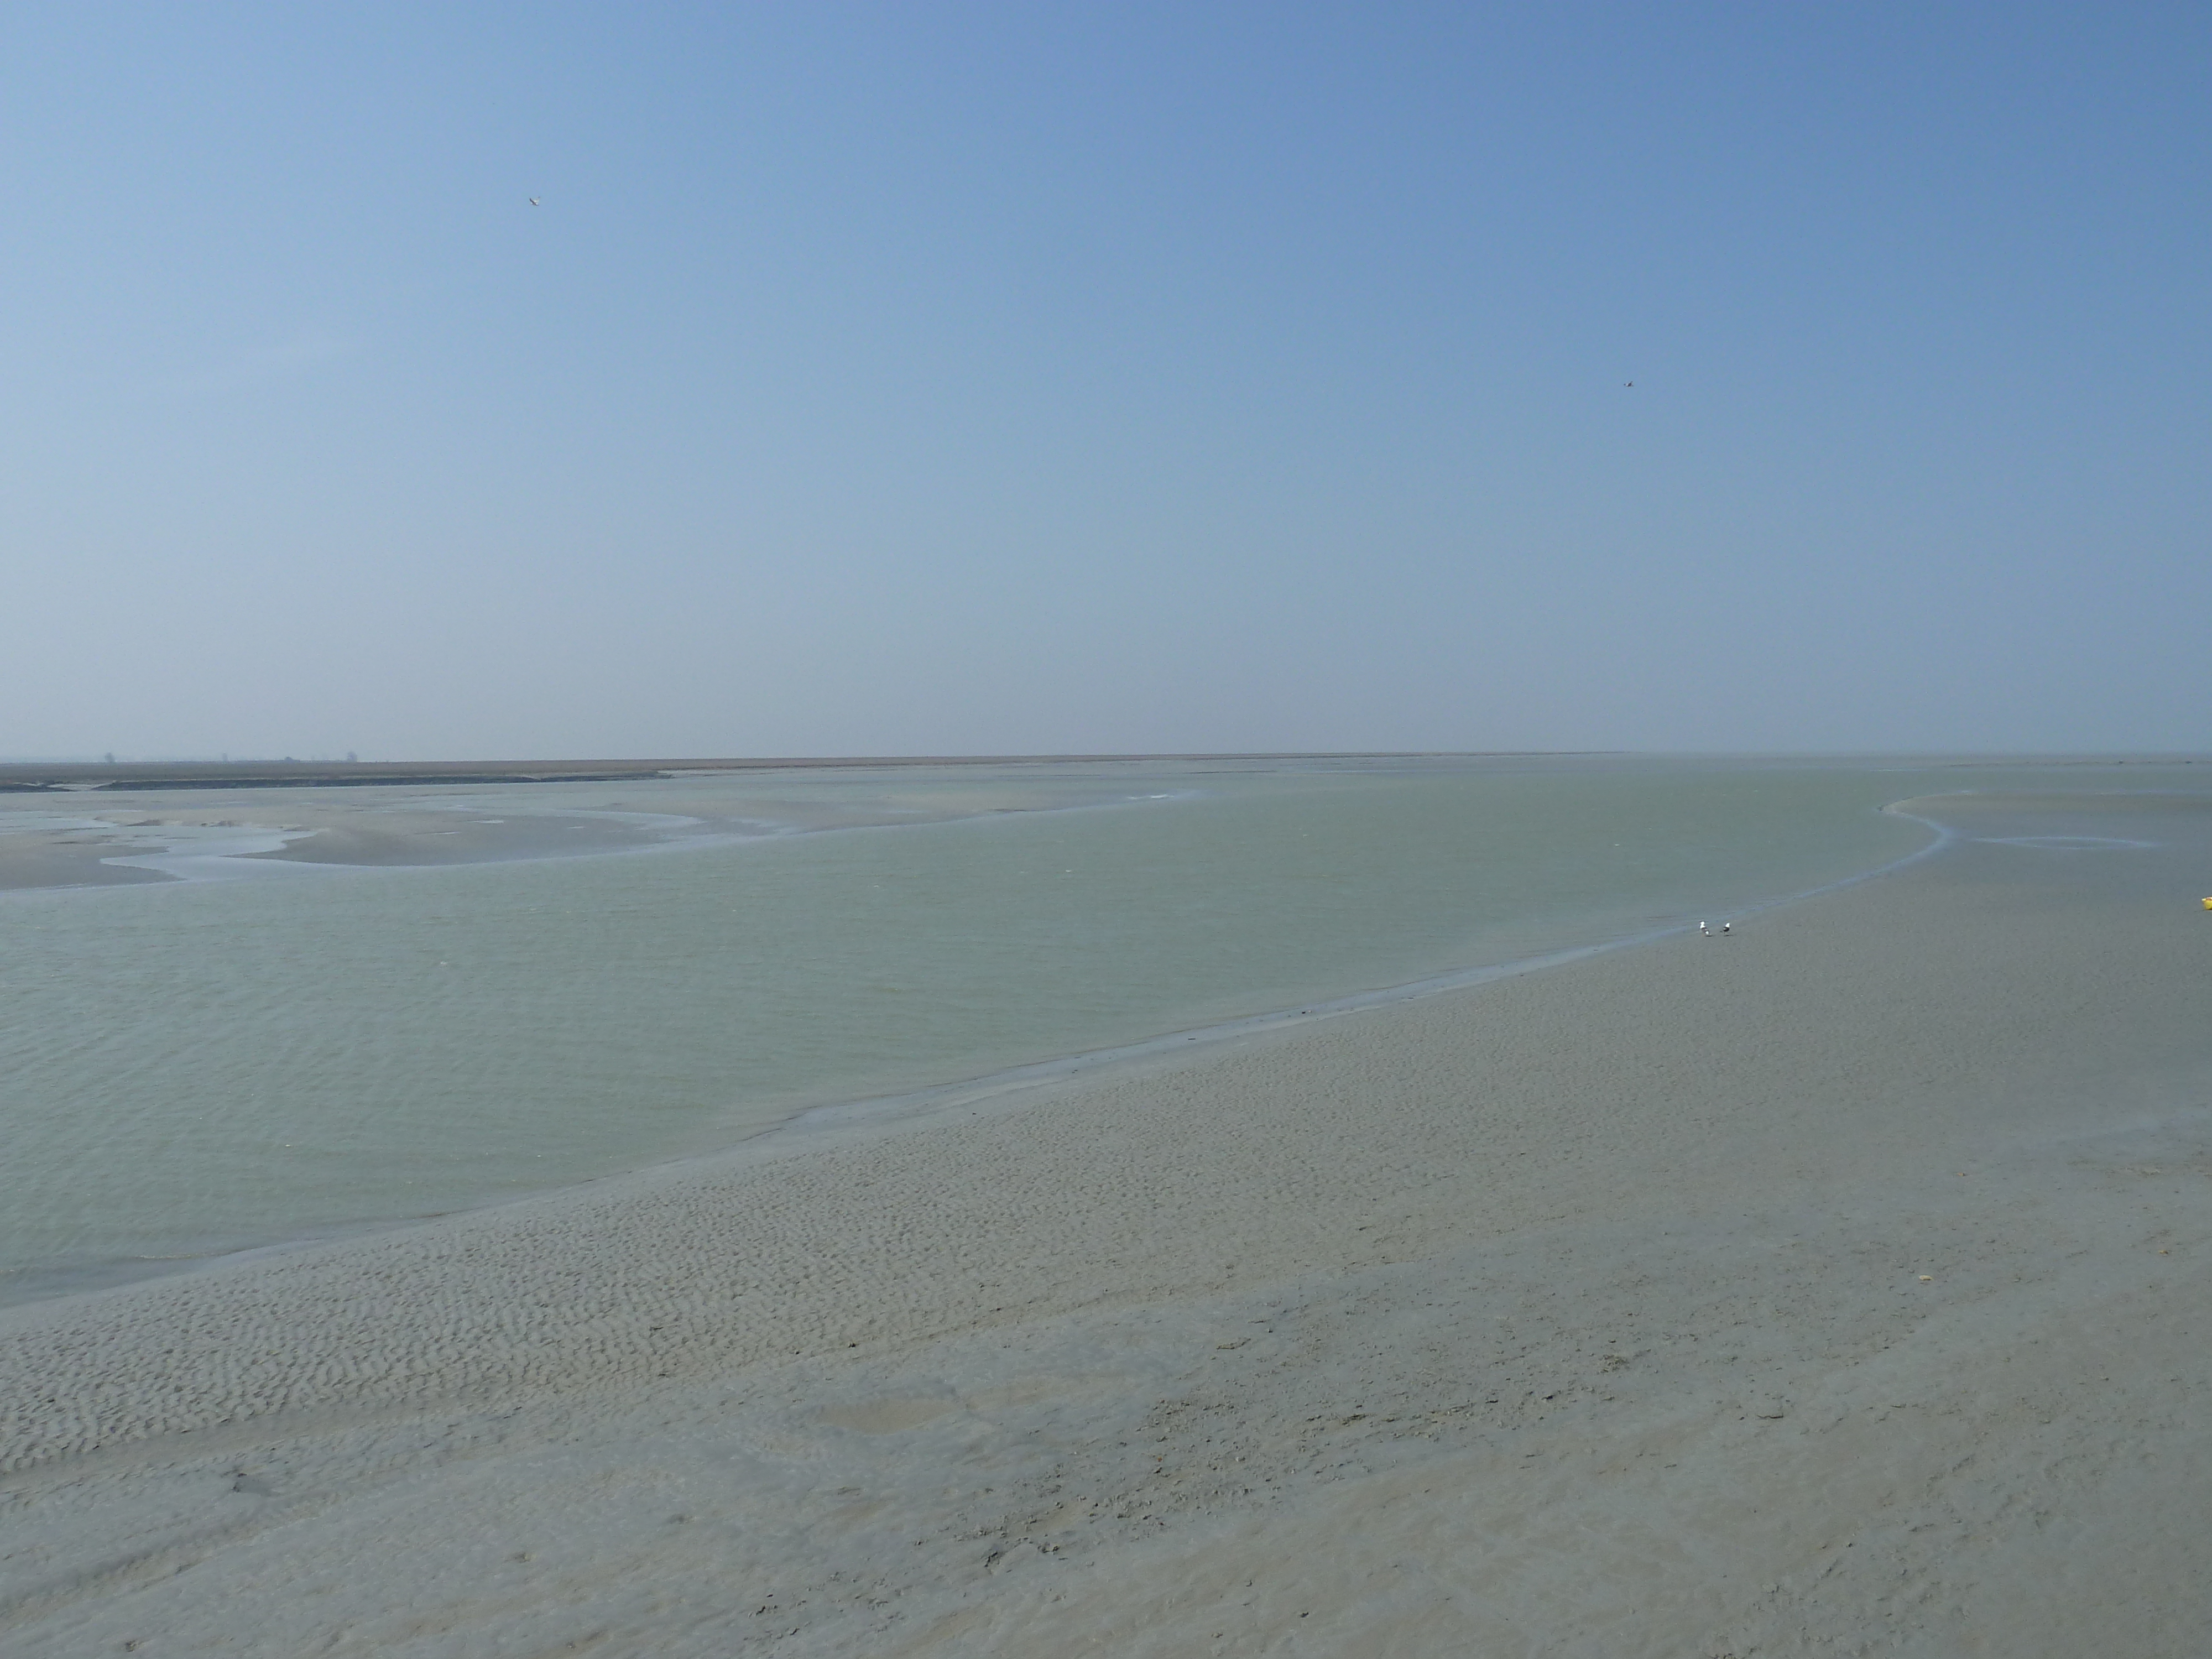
(32, 777)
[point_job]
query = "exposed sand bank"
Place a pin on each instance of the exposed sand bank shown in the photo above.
(81, 824)
(1842, 1283)
(121, 834)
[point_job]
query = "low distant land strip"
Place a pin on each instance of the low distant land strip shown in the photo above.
(19, 777)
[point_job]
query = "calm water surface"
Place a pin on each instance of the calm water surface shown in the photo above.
(193, 1068)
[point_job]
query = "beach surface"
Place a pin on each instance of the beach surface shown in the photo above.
(1839, 1284)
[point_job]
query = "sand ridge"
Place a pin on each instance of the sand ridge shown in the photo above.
(121, 834)
(1842, 1283)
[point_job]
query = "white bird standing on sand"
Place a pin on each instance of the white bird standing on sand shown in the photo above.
(1703, 929)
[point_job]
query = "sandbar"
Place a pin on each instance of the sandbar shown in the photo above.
(138, 829)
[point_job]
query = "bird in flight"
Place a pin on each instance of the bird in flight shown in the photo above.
(1625, 383)
(533, 201)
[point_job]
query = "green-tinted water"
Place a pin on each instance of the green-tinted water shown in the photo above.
(197, 1066)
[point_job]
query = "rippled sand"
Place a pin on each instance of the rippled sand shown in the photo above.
(1839, 1285)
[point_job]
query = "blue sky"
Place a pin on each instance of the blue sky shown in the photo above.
(942, 378)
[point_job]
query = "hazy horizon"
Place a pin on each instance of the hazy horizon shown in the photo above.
(876, 381)
(1910, 756)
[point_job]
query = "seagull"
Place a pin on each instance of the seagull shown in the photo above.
(1625, 383)
(533, 201)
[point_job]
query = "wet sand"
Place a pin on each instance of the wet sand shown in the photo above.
(130, 838)
(1841, 1284)
(117, 835)
(68, 824)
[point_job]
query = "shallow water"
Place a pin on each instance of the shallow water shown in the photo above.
(194, 1068)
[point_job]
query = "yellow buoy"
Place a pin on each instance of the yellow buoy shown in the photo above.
(2207, 905)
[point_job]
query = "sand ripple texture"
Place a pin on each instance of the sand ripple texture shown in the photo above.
(1842, 1284)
